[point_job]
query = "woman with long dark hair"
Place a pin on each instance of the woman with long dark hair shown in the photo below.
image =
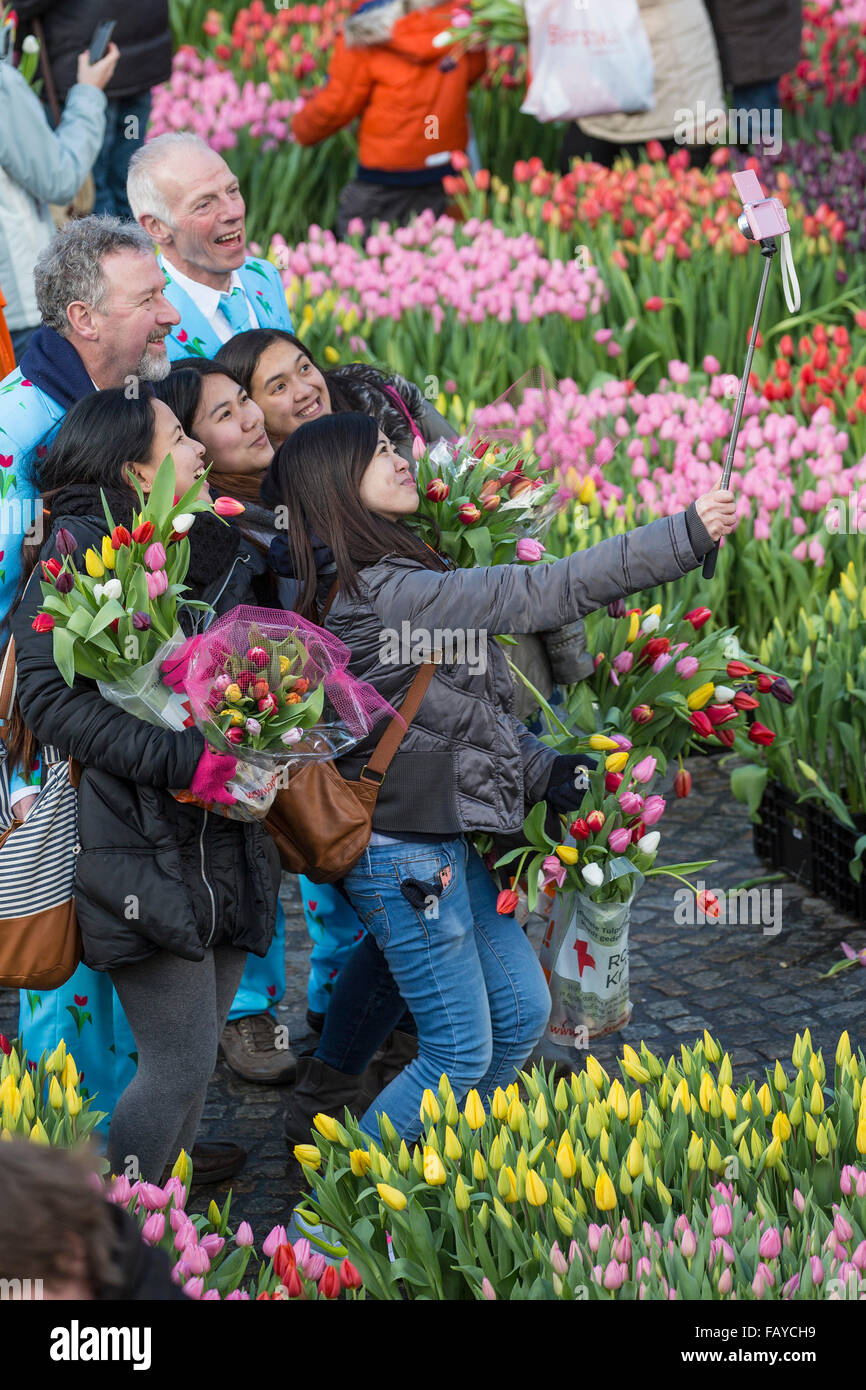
(169, 896)
(469, 975)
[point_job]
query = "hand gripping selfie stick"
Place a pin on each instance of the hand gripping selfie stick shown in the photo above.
(762, 220)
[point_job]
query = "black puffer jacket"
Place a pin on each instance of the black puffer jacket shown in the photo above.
(151, 872)
(758, 40)
(141, 33)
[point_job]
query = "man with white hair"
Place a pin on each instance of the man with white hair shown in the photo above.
(105, 319)
(188, 200)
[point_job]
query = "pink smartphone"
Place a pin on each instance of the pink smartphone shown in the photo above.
(762, 216)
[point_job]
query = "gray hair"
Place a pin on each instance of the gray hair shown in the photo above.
(70, 267)
(142, 190)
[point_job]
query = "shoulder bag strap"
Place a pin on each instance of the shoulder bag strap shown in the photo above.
(8, 684)
(50, 89)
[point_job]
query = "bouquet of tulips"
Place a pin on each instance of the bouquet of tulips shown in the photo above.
(115, 621)
(43, 1102)
(211, 1262)
(484, 23)
(473, 1209)
(484, 504)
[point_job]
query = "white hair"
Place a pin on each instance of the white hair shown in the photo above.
(142, 190)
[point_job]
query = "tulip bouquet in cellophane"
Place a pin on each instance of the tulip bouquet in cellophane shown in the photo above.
(274, 690)
(478, 1207)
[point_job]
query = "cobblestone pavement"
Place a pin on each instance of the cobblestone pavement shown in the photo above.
(752, 990)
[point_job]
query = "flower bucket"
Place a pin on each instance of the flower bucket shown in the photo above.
(584, 956)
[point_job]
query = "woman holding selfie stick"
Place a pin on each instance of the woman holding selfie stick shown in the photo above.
(469, 975)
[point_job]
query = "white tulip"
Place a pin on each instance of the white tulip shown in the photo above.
(593, 874)
(648, 844)
(650, 622)
(30, 44)
(442, 40)
(724, 693)
(182, 523)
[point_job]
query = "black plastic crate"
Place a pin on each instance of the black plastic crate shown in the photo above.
(783, 840)
(811, 846)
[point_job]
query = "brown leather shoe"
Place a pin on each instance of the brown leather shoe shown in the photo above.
(213, 1160)
(249, 1047)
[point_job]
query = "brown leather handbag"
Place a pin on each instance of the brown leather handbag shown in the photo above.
(40, 942)
(320, 821)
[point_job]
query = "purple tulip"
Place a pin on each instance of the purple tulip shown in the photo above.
(65, 542)
(64, 582)
(141, 621)
(617, 608)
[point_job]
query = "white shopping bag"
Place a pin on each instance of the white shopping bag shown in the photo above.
(587, 61)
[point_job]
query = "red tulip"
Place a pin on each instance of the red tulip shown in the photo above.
(579, 829)
(738, 670)
(437, 490)
(655, 647)
(506, 902)
(764, 683)
(143, 533)
(228, 506)
(612, 781)
(292, 1284)
(5, 1045)
(708, 904)
(329, 1284)
(51, 569)
(725, 736)
(654, 304)
(698, 617)
(743, 701)
(284, 1261)
(595, 820)
(683, 782)
(720, 714)
(638, 830)
(120, 537)
(469, 513)
(43, 622)
(759, 733)
(349, 1276)
(701, 724)
(481, 448)
(642, 714)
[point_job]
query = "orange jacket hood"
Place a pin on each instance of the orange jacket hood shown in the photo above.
(407, 27)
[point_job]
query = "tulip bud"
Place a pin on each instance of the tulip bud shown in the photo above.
(683, 783)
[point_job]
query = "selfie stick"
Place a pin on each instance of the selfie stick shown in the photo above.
(748, 187)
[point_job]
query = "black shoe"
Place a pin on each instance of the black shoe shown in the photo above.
(315, 1022)
(320, 1089)
(213, 1160)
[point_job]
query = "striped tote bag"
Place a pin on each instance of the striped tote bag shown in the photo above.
(40, 943)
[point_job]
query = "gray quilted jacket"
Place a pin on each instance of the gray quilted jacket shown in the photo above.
(466, 762)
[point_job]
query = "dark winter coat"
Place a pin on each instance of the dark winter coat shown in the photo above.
(152, 872)
(758, 40)
(466, 763)
(141, 33)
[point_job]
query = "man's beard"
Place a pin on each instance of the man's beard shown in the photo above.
(153, 366)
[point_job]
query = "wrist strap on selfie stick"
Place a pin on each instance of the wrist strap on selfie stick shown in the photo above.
(768, 251)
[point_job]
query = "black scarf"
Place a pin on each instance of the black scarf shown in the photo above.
(212, 544)
(53, 365)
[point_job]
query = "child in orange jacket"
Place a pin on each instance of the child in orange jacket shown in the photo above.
(412, 100)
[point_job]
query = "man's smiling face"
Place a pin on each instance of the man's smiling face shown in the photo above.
(207, 239)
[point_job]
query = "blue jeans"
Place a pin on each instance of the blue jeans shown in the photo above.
(126, 121)
(470, 977)
(364, 1008)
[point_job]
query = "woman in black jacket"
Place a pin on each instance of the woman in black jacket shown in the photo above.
(169, 897)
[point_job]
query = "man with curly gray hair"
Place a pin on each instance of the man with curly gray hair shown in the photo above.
(105, 318)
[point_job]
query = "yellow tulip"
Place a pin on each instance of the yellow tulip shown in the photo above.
(595, 1072)
(560, 1099)
(781, 1126)
(73, 1101)
(70, 1072)
(615, 762)
(726, 1072)
(57, 1061)
(663, 1192)
(706, 1091)
(634, 1159)
(587, 1176)
(774, 1153)
(695, 1154)
(506, 1184)
(618, 1100)
(359, 1162)
(711, 1048)
(452, 1114)
(796, 1112)
(503, 1216)
(109, 556)
(479, 1167)
(682, 1096)
(594, 1122)
(601, 743)
(92, 563)
(434, 1169)
(745, 1156)
(565, 1159)
(430, 1107)
(183, 1167)
(587, 492)
(822, 1147)
(816, 1100)
(861, 1137)
(633, 629)
(55, 1095)
(327, 1127)
(811, 1129)
(635, 1108)
(757, 1144)
(605, 1192)
(765, 1099)
(474, 1111)
(540, 1112)
(391, 1196)
(817, 1068)
(536, 1192)
(604, 1145)
(453, 1148)
(848, 589)
(843, 1050)
(461, 1194)
(499, 1104)
(746, 1101)
(631, 1065)
(516, 1114)
(308, 1155)
(701, 696)
(780, 1077)
(496, 1158)
(714, 1158)
(38, 1134)
(567, 854)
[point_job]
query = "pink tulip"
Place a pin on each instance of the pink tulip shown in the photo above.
(275, 1237)
(653, 810)
(613, 1275)
(154, 556)
(212, 1244)
(153, 1229)
(631, 803)
(688, 1244)
(194, 1288)
(799, 1200)
(623, 662)
(557, 1259)
(619, 840)
(244, 1234)
(529, 550)
(151, 1197)
(554, 871)
(121, 1191)
(687, 666)
(488, 1290)
(770, 1244)
(176, 1192)
(723, 1220)
(843, 1228)
(644, 770)
(157, 583)
(196, 1259)
(725, 1282)
(593, 1236)
(817, 1271)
